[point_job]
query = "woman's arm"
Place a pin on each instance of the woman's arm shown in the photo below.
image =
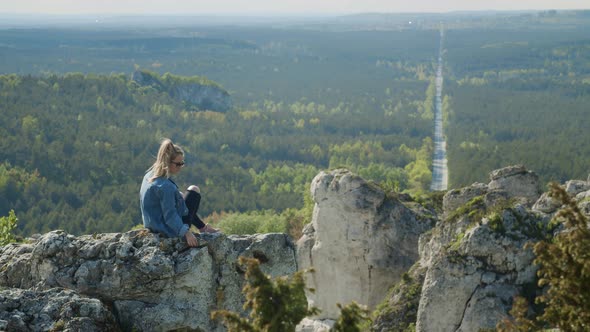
(171, 216)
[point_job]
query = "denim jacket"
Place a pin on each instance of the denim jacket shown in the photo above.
(162, 206)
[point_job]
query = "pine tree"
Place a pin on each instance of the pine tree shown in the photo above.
(564, 267)
(275, 305)
(279, 305)
(7, 226)
(350, 317)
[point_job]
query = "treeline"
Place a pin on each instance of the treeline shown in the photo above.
(253, 63)
(75, 147)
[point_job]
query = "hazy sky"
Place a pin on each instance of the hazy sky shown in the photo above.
(295, 7)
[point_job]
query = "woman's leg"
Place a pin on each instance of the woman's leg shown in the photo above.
(192, 199)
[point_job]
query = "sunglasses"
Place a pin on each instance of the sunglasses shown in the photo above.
(180, 164)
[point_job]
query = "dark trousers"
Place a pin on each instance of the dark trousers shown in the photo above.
(192, 200)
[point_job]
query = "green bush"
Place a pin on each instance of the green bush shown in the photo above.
(7, 225)
(253, 223)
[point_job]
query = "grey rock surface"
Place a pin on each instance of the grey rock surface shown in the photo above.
(315, 325)
(359, 242)
(464, 266)
(153, 283)
(205, 96)
(54, 309)
(546, 204)
(456, 198)
(476, 262)
(574, 187)
(517, 181)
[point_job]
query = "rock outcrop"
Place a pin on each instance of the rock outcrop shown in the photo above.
(359, 242)
(516, 181)
(474, 261)
(457, 269)
(151, 283)
(475, 266)
(54, 309)
(197, 91)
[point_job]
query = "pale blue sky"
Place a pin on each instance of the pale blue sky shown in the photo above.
(255, 7)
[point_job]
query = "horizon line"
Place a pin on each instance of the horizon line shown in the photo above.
(281, 13)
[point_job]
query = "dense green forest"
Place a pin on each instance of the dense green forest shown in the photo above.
(76, 146)
(78, 133)
(518, 97)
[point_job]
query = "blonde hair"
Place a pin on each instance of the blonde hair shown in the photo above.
(166, 154)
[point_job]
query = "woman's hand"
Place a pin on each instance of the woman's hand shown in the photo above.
(191, 239)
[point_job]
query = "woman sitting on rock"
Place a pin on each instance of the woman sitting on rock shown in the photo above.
(164, 209)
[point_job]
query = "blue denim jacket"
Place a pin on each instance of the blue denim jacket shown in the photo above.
(162, 206)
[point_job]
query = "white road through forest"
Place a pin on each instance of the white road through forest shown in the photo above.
(440, 173)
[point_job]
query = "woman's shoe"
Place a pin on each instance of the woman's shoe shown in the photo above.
(208, 229)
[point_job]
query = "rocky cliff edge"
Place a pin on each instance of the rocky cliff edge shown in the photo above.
(134, 281)
(457, 268)
(453, 268)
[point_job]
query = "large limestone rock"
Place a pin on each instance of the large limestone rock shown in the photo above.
(152, 283)
(474, 261)
(359, 242)
(475, 258)
(469, 284)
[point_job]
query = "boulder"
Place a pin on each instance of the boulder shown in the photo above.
(315, 325)
(546, 204)
(517, 181)
(574, 187)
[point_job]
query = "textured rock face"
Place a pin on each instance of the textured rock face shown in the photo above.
(475, 258)
(152, 283)
(359, 242)
(464, 272)
(574, 187)
(517, 181)
(145, 79)
(474, 261)
(206, 97)
(470, 281)
(456, 198)
(26, 310)
(311, 325)
(546, 204)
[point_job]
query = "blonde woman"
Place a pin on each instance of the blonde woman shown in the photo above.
(164, 209)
